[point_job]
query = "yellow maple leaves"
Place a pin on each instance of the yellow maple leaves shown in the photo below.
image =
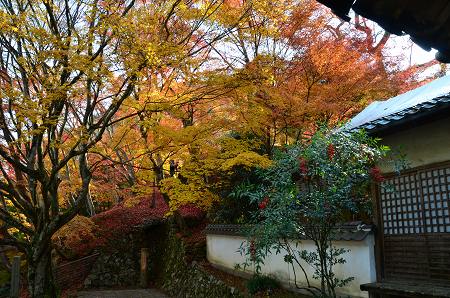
(247, 160)
(198, 181)
(180, 194)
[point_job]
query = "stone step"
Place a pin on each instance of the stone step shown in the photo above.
(141, 293)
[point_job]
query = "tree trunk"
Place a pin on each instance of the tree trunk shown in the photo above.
(40, 274)
(181, 223)
(159, 172)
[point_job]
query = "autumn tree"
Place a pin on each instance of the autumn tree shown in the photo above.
(300, 65)
(264, 69)
(283, 67)
(285, 72)
(63, 79)
(371, 39)
(67, 68)
(176, 105)
(192, 126)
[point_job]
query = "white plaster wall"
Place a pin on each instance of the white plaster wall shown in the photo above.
(425, 144)
(223, 251)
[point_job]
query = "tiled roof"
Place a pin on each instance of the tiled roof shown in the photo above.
(352, 231)
(426, 98)
(404, 114)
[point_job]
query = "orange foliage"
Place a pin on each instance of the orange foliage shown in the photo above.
(75, 239)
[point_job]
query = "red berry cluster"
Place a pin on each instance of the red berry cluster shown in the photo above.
(263, 204)
(331, 151)
(376, 175)
(303, 165)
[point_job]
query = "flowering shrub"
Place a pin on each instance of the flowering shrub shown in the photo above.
(312, 188)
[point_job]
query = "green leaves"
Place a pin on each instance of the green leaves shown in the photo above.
(311, 188)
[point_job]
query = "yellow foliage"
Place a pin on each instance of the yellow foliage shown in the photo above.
(198, 174)
(19, 217)
(132, 201)
(193, 193)
(248, 160)
(74, 228)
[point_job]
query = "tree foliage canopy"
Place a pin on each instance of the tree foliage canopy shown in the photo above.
(97, 97)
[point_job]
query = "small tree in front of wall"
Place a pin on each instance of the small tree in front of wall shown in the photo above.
(311, 189)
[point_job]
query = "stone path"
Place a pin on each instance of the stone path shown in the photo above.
(143, 293)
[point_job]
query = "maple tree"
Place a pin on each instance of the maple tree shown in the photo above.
(284, 67)
(60, 90)
(67, 68)
(97, 97)
(371, 39)
(298, 64)
(171, 99)
(211, 170)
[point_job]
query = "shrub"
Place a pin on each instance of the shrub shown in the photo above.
(261, 283)
(76, 239)
(312, 188)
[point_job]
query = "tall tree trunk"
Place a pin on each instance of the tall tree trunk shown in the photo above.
(159, 173)
(158, 168)
(40, 274)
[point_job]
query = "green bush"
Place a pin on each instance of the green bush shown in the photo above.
(312, 188)
(260, 283)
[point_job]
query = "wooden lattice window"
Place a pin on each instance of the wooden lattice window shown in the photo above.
(417, 202)
(415, 220)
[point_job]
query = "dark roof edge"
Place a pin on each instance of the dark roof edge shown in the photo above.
(353, 231)
(437, 106)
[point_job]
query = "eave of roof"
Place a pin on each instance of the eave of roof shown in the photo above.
(351, 231)
(408, 114)
(430, 98)
(427, 22)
